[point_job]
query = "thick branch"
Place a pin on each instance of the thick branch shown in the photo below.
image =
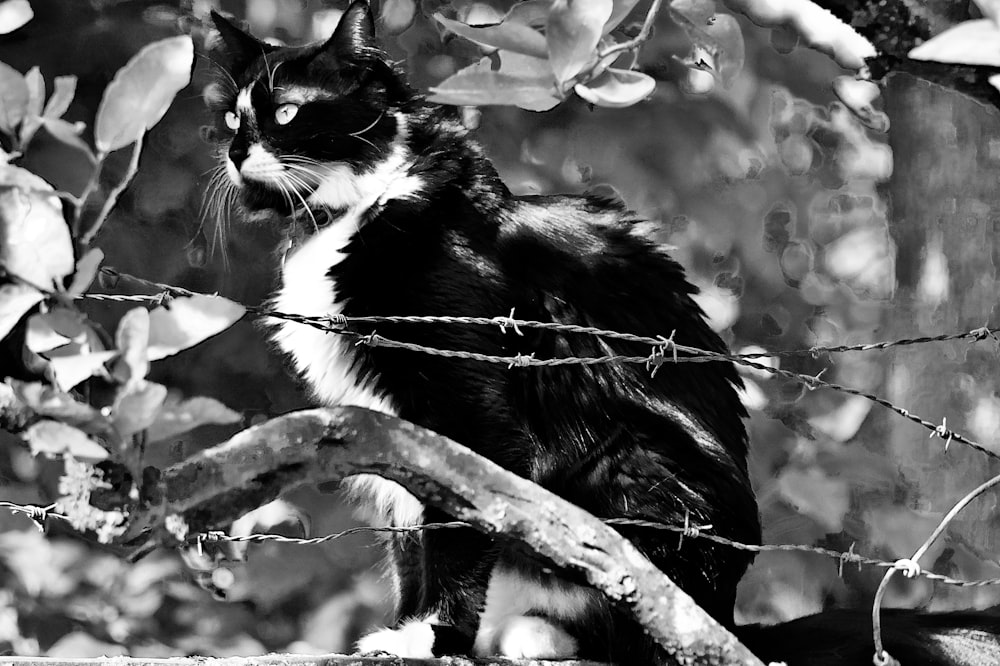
(318, 446)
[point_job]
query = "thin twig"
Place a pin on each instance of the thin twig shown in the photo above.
(635, 42)
(109, 203)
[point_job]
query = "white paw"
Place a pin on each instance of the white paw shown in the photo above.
(414, 640)
(528, 637)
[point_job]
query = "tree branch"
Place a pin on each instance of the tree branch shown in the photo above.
(315, 446)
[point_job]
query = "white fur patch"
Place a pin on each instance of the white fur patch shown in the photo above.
(341, 187)
(413, 640)
(511, 596)
(260, 165)
(529, 637)
(382, 502)
(324, 359)
(244, 105)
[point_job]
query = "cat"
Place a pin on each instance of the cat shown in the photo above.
(389, 207)
(392, 208)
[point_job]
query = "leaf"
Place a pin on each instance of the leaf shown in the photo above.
(969, 43)
(69, 133)
(141, 92)
(40, 337)
(179, 417)
(616, 88)
(521, 81)
(530, 12)
(13, 98)
(188, 320)
(132, 338)
(14, 14)
(619, 11)
(86, 271)
(723, 30)
(573, 31)
(52, 438)
(15, 301)
(62, 96)
(36, 97)
(69, 371)
(136, 407)
(990, 9)
(512, 36)
(397, 15)
(46, 400)
(34, 238)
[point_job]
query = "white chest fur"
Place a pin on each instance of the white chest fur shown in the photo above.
(326, 360)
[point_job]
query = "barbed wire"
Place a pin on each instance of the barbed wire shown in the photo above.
(663, 348)
(688, 531)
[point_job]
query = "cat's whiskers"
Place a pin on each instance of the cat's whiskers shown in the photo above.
(220, 194)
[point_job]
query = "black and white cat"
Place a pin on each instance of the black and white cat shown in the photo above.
(392, 209)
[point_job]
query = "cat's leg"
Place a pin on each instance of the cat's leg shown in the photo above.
(529, 614)
(455, 573)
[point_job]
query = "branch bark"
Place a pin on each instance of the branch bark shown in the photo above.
(317, 446)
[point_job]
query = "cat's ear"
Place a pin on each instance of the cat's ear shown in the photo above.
(354, 38)
(240, 47)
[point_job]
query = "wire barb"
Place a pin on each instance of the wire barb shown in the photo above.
(509, 320)
(659, 353)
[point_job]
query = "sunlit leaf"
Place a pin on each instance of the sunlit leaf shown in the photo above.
(71, 370)
(132, 338)
(970, 43)
(14, 14)
(730, 50)
(136, 407)
(15, 301)
(13, 98)
(530, 12)
(86, 271)
(616, 88)
(36, 97)
(141, 92)
(397, 15)
(990, 9)
(62, 96)
(573, 31)
(619, 11)
(52, 438)
(179, 417)
(513, 36)
(186, 321)
(69, 133)
(35, 243)
(521, 81)
(46, 400)
(40, 337)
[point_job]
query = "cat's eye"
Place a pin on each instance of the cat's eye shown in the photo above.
(232, 121)
(284, 113)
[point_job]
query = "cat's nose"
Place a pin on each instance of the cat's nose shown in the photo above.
(237, 153)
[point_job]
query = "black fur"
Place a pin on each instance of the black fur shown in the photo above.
(611, 438)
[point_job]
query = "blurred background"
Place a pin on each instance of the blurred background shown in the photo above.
(801, 227)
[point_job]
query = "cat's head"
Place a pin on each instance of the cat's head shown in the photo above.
(294, 120)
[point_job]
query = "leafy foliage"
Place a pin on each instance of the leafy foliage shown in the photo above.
(772, 198)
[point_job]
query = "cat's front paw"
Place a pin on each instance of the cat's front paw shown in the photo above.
(414, 640)
(530, 637)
